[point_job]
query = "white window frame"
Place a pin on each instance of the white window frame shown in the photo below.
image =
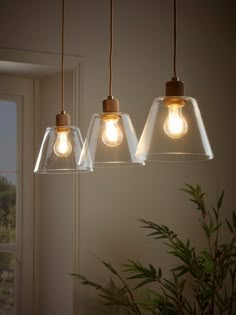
(22, 180)
(34, 65)
(20, 91)
(16, 247)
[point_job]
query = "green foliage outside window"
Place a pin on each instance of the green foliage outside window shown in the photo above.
(7, 236)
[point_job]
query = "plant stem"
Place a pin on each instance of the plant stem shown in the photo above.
(215, 262)
(232, 290)
(136, 308)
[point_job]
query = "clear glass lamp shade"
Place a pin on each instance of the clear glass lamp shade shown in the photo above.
(111, 142)
(174, 133)
(60, 152)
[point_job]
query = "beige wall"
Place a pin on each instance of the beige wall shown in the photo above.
(112, 200)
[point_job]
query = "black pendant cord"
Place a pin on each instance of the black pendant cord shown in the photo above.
(111, 47)
(62, 56)
(175, 39)
(111, 104)
(62, 119)
(175, 87)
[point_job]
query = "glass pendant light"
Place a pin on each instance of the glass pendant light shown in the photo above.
(174, 130)
(111, 139)
(61, 147)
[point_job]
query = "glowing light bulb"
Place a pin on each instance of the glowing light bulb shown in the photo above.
(112, 135)
(62, 146)
(175, 125)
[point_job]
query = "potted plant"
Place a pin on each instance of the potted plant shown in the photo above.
(209, 273)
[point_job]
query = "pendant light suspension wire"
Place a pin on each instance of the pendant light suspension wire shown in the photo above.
(62, 55)
(175, 38)
(174, 116)
(62, 144)
(111, 47)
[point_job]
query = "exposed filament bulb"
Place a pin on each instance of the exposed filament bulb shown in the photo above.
(112, 135)
(62, 146)
(175, 125)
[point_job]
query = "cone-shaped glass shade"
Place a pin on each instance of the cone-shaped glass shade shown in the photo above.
(111, 141)
(60, 151)
(174, 131)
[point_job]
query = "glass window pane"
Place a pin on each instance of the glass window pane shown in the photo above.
(7, 280)
(7, 208)
(8, 136)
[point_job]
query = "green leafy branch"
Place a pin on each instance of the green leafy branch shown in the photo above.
(114, 294)
(209, 270)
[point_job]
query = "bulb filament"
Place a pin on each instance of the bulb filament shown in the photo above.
(175, 125)
(62, 146)
(112, 135)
